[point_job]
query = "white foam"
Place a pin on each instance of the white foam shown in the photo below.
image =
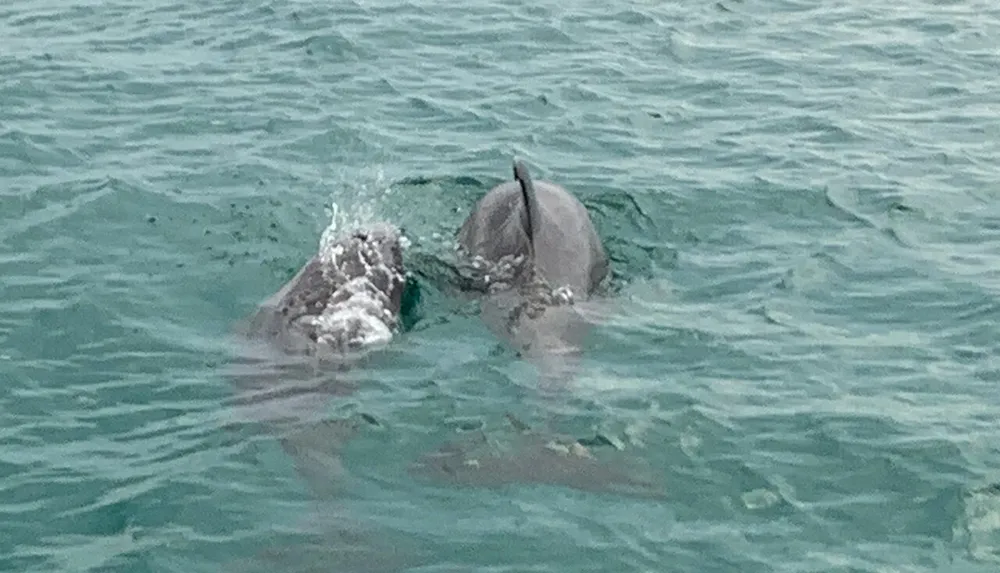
(361, 316)
(564, 295)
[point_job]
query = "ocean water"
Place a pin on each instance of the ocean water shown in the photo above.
(802, 205)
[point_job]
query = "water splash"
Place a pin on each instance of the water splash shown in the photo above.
(356, 205)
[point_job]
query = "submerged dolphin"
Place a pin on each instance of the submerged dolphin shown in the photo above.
(529, 456)
(342, 304)
(536, 253)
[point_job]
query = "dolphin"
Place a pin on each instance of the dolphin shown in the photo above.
(541, 223)
(531, 254)
(343, 304)
(535, 254)
(346, 298)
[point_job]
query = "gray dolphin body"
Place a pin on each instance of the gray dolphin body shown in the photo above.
(346, 298)
(541, 223)
(536, 253)
(342, 304)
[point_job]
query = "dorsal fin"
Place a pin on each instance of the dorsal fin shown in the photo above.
(522, 176)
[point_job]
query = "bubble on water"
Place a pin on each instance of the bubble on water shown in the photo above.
(690, 443)
(759, 499)
(980, 524)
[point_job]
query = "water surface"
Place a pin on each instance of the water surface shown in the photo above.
(800, 200)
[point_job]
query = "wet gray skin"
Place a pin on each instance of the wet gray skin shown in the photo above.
(346, 298)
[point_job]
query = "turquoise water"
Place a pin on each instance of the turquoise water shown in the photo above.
(800, 200)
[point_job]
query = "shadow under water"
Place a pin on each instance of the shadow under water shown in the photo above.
(524, 456)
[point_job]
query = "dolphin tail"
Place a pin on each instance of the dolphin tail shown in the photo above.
(523, 177)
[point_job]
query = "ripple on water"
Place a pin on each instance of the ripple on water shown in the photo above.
(797, 199)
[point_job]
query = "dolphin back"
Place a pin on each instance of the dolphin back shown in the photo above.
(345, 298)
(567, 251)
(497, 228)
(564, 245)
(541, 223)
